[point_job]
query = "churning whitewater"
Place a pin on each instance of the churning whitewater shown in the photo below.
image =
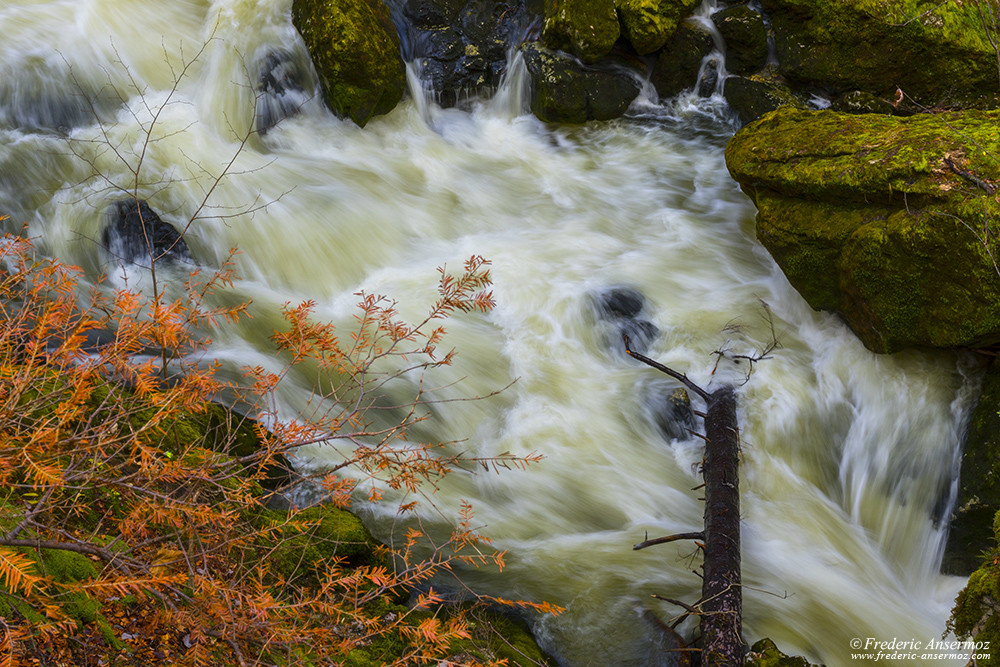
(849, 458)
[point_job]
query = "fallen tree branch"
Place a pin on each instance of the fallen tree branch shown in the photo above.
(669, 538)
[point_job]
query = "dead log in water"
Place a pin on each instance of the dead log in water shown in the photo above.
(720, 608)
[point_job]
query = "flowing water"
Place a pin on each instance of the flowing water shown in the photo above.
(848, 457)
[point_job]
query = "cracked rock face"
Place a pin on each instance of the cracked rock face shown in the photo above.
(880, 219)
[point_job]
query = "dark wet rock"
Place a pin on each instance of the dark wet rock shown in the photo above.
(564, 90)
(708, 77)
(978, 499)
(284, 87)
(745, 36)
(461, 48)
(355, 49)
(752, 97)
(858, 101)
(133, 229)
(678, 64)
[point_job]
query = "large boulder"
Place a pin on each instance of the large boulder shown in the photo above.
(355, 49)
(586, 28)
(648, 24)
(887, 220)
(564, 90)
(937, 53)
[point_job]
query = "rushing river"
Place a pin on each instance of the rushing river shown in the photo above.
(848, 457)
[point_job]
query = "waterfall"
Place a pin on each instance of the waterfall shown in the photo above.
(847, 455)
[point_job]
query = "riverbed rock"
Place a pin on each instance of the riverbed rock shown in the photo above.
(564, 90)
(355, 50)
(284, 87)
(648, 24)
(134, 231)
(937, 53)
(974, 616)
(882, 219)
(677, 65)
(764, 653)
(745, 36)
(585, 28)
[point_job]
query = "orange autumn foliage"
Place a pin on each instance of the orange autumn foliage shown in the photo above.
(125, 539)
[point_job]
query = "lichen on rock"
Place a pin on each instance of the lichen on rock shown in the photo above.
(648, 24)
(585, 28)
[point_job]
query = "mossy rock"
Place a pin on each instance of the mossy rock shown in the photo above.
(648, 24)
(970, 532)
(495, 636)
(876, 217)
(937, 53)
(745, 36)
(299, 555)
(355, 49)
(585, 28)
(565, 91)
(764, 653)
(975, 615)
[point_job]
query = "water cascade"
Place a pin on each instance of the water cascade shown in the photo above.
(848, 457)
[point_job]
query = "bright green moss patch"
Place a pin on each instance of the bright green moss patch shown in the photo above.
(764, 653)
(648, 24)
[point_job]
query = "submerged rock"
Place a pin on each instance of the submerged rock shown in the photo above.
(622, 308)
(355, 49)
(134, 231)
(889, 221)
(284, 87)
(564, 90)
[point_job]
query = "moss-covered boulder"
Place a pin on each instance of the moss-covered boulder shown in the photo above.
(677, 65)
(566, 91)
(586, 28)
(936, 52)
(745, 36)
(978, 500)
(648, 24)
(976, 615)
(889, 221)
(355, 49)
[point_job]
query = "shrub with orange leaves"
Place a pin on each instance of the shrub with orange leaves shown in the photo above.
(135, 525)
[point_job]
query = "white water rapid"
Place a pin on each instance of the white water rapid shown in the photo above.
(848, 456)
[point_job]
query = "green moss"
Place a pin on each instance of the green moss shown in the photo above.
(936, 52)
(877, 217)
(586, 28)
(648, 24)
(496, 636)
(355, 49)
(298, 555)
(764, 653)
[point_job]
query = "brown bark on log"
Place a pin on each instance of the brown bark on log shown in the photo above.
(722, 598)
